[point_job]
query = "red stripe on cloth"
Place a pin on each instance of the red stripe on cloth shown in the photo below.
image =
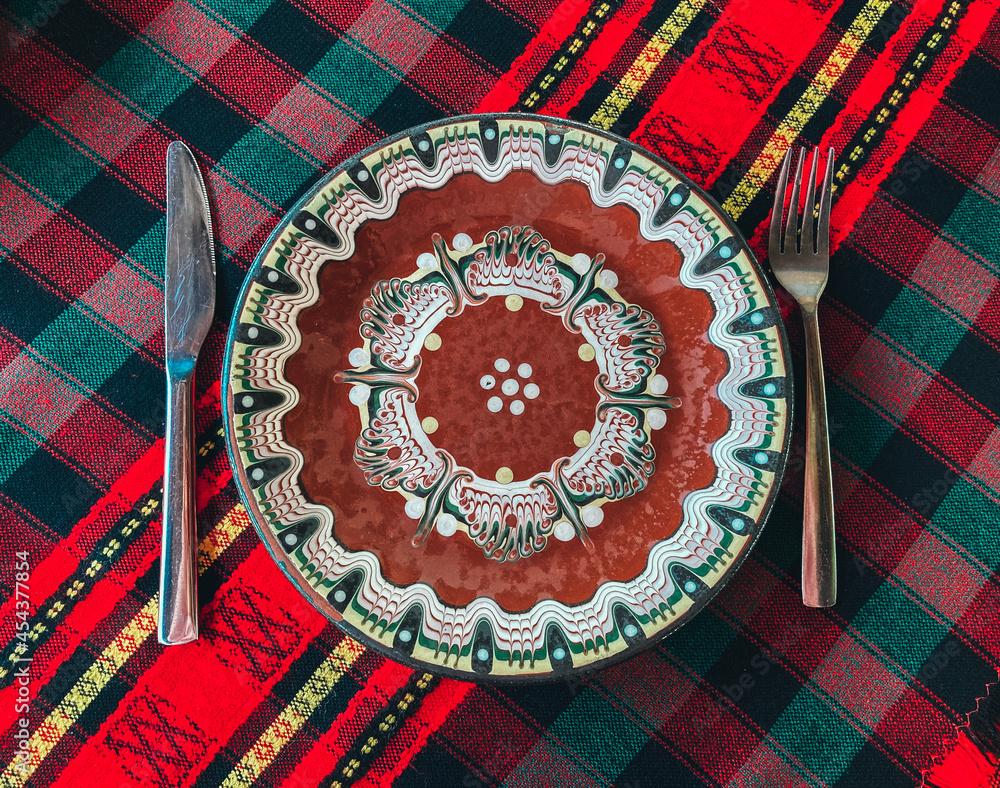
(143, 159)
(37, 397)
(871, 522)
(50, 574)
(605, 50)
(246, 76)
(21, 213)
(986, 464)
(339, 14)
(853, 677)
(137, 15)
(698, 93)
(883, 376)
(911, 119)
(319, 760)
(949, 423)
(957, 280)
(392, 36)
(413, 736)
(957, 142)
(915, 727)
(939, 575)
(988, 318)
(244, 211)
(467, 83)
(312, 121)
(55, 250)
(250, 634)
(128, 301)
(185, 32)
(118, 449)
(897, 252)
(22, 69)
(506, 92)
(494, 749)
(98, 121)
(979, 618)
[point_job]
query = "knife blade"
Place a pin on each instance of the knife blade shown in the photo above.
(189, 303)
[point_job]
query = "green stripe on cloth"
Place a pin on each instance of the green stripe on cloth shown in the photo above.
(973, 224)
(920, 327)
(856, 431)
(962, 516)
(591, 729)
(17, 448)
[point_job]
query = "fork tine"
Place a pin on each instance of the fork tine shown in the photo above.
(779, 203)
(792, 228)
(809, 208)
(825, 202)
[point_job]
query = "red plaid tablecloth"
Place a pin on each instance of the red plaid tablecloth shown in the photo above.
(271, 94)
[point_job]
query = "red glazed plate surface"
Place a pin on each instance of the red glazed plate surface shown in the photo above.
(507, 397)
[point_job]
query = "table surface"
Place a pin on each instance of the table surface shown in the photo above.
(271, 94)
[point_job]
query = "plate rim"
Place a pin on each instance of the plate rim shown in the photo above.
(318, 600)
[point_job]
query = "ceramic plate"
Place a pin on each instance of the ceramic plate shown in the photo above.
(507, 397)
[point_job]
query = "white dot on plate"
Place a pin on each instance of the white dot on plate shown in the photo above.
(553, 139)
(631, 631)
(564, 532)
(426, 260)
(291, 539)
(581, 262)
(658, 385)
(592, 516)
(656, 418)
(257, 474)
(424, 145)
(517, 407)
(252, 332)
(495, 404)
(414, 508)
(489, 133)
(487, 381)
(461, 242)
(310, 224)
(608, 279)
(619, 163)
(339, 595)
(406, 636)
(558, 653)
(247, 401)
(359, 394)
(482, 655)
(272, 276)
(501, 365)
(447, 524)
(690, 586)
(510, 387)
(358, 357)
(524, 370)
(531, 391)
(363, 175)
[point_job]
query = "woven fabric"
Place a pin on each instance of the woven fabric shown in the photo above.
(271, 94)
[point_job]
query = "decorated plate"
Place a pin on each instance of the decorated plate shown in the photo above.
(507, 397)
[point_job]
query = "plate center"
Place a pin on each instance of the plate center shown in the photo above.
(507, 388)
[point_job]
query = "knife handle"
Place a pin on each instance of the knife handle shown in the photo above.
(178, 575)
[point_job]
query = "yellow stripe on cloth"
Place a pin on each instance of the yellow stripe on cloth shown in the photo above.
(791, 126)
(121, 649)
(294, 715)
(642, 69)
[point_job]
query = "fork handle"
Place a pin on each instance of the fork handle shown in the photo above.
(819, 557)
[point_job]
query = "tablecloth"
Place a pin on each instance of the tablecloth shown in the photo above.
(271, 94)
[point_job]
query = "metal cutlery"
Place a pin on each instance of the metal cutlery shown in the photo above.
(802, 266)
(189, 301)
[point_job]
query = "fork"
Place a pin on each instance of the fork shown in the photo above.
(803, 269)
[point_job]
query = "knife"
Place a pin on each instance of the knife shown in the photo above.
(189, 302)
